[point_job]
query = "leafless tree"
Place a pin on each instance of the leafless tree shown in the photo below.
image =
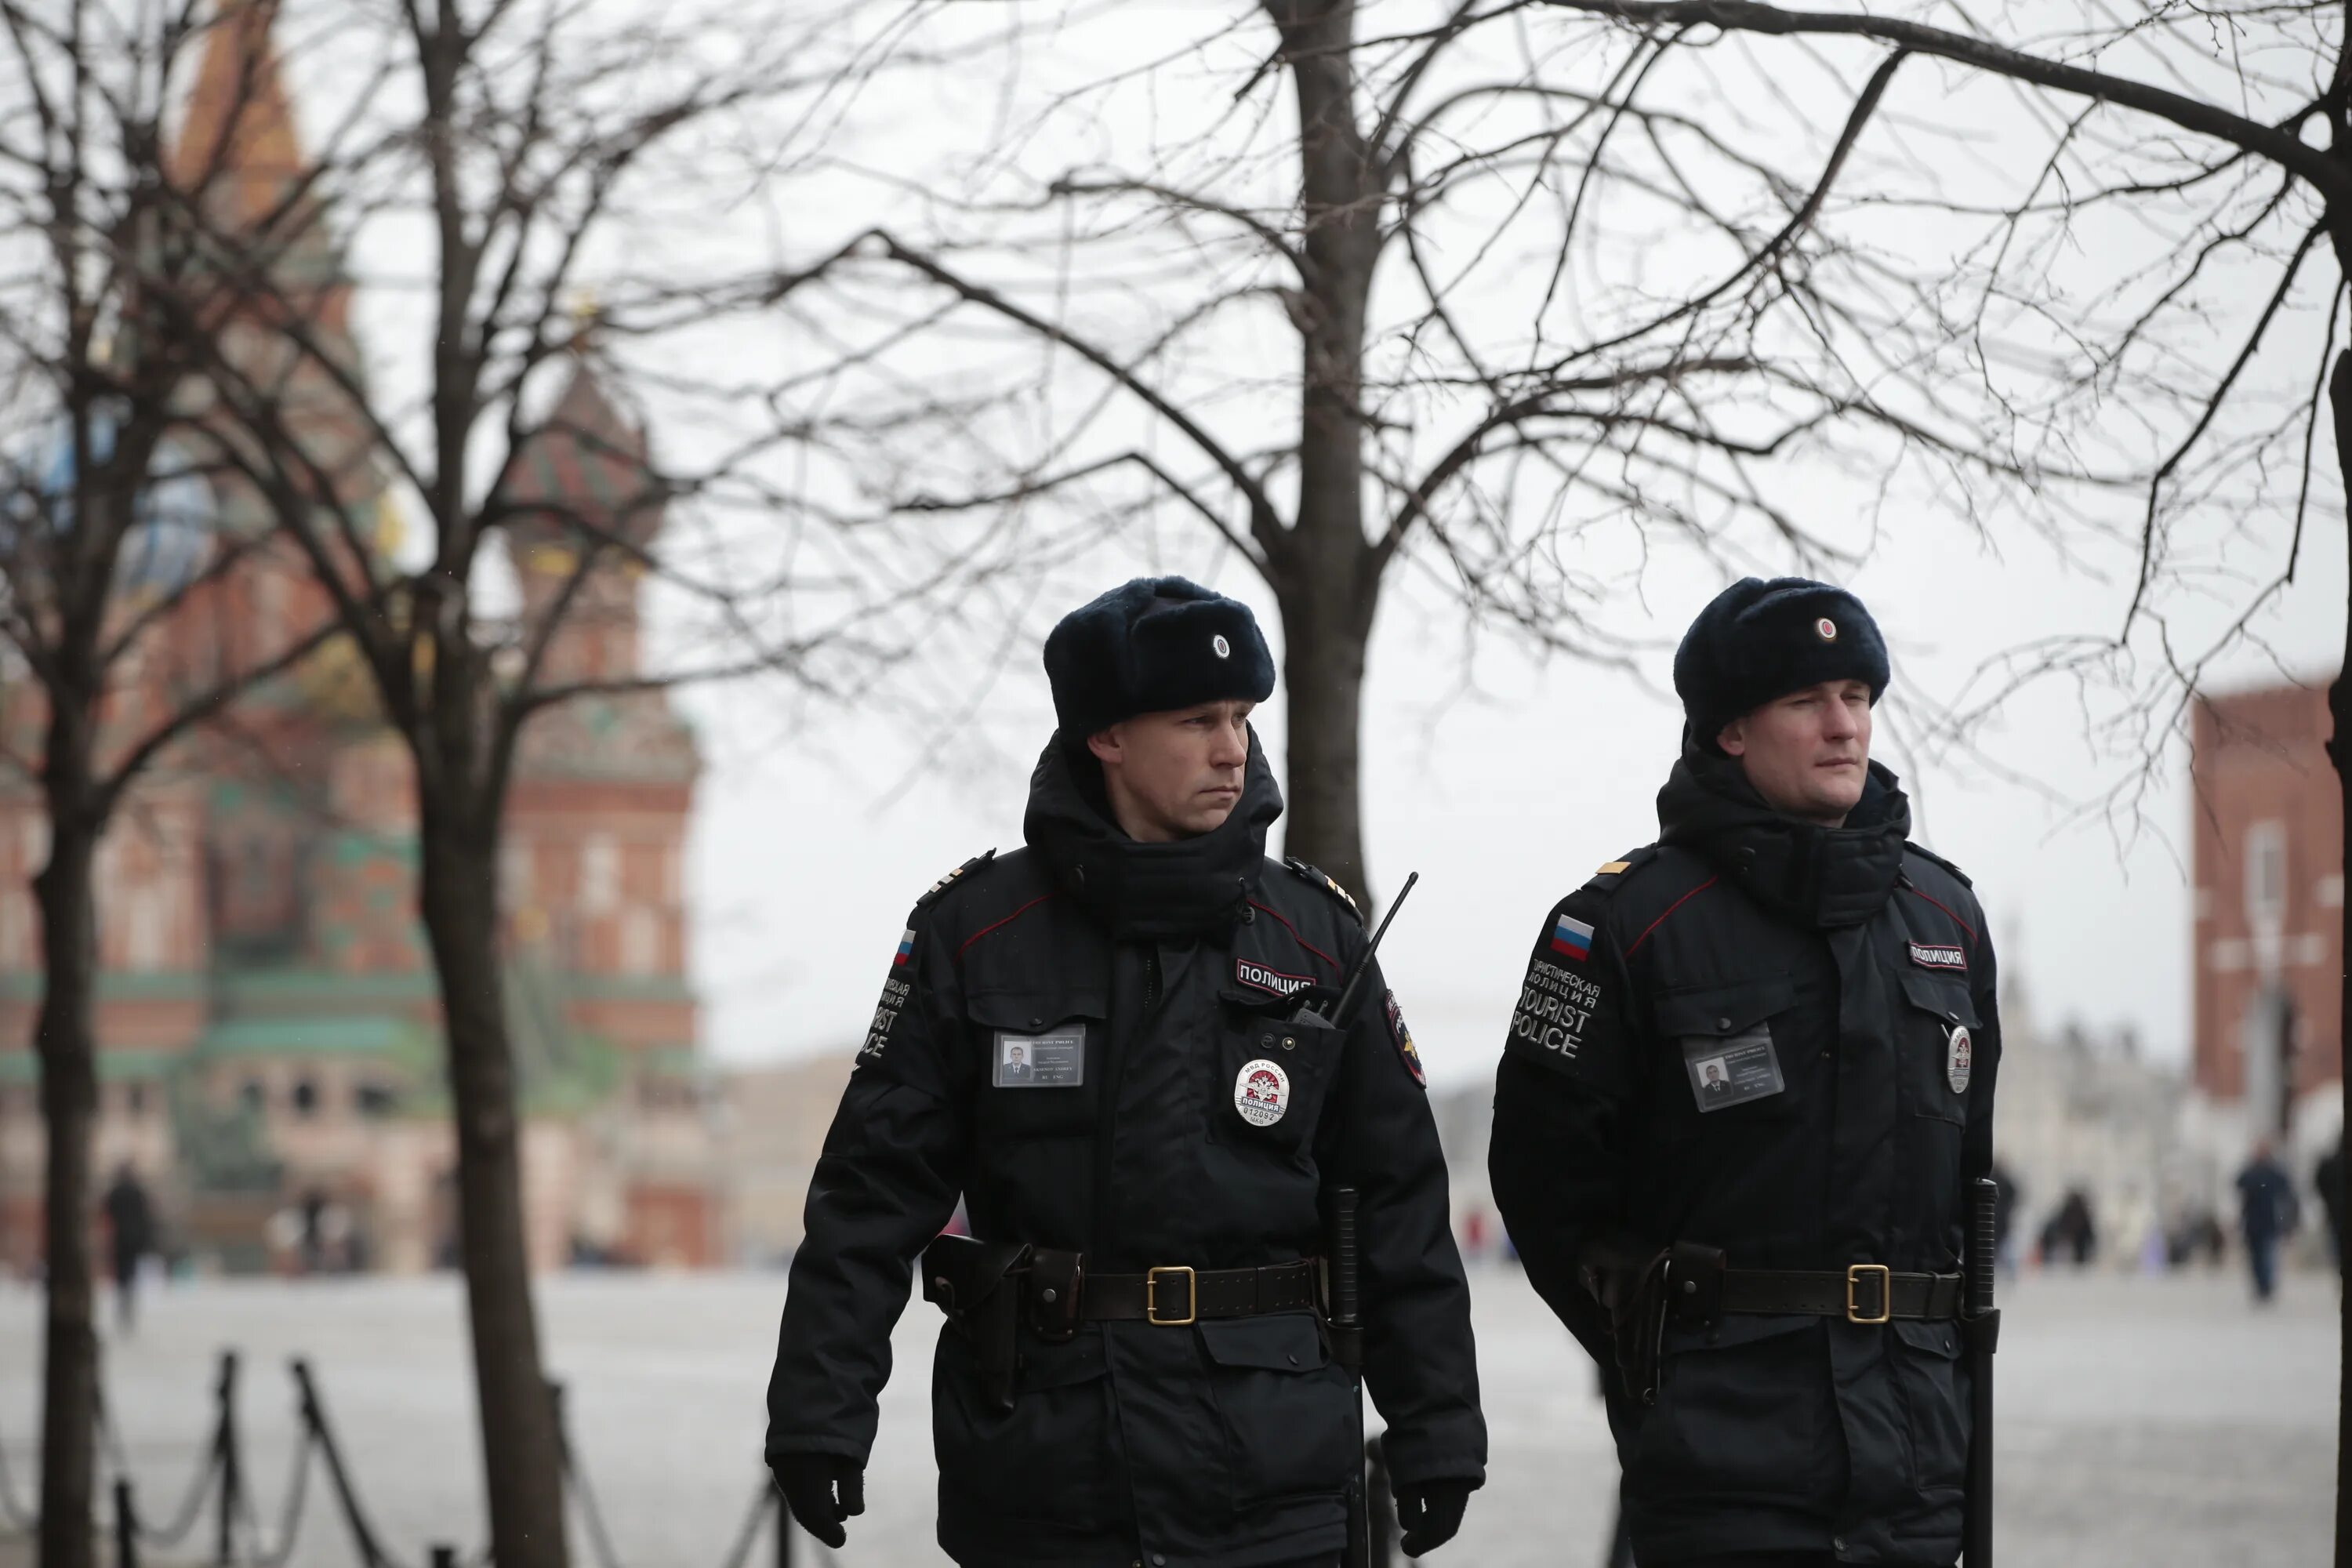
(123, 584)
(1529, 322)
(538, 197)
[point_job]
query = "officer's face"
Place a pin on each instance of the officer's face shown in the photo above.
(1173, 775)
(1808, 752)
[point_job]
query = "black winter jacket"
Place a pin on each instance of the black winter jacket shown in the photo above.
(1223, 1443)
(1857, 966)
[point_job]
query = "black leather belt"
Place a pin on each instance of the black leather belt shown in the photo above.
(1864, 1294)
(1173, 1296)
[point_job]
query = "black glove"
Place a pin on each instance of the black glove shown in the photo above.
(809, 1482)
(1431, 1511)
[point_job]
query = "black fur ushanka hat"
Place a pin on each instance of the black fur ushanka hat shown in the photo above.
(1153, 645)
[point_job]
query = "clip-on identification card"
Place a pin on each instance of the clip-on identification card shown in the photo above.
(1731, 1071)
(1054, 1060)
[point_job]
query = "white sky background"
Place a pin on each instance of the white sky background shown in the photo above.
(1502, 779)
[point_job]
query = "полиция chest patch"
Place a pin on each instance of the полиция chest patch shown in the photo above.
(1258, 976)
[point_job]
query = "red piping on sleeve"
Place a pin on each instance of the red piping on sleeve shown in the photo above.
(1678, 903)
(1295, 936)
(1948, 909)
(996, 925)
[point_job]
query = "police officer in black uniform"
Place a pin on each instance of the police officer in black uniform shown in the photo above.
(1137, 1367)
(1767, 1272)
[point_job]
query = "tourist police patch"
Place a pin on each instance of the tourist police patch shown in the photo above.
(897, 991)
(1261, 1092)
(1960, 1053)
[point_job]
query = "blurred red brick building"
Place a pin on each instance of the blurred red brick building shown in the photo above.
(2269, 865)
(267, 1013)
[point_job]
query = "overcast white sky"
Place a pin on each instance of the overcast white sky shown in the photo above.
(1503, 783)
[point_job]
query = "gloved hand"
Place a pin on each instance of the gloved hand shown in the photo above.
(1431, 1511)
(810, 1482)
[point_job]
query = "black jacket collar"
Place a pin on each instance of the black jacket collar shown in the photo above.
(1194, 886)
(1814, 876)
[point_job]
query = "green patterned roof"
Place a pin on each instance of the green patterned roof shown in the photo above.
(361, 1035)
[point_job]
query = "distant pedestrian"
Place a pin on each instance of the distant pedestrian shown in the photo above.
(2071, 1232)
(130, 1226)
(2328, 1178)
(314, 1231)
(2266, 1213)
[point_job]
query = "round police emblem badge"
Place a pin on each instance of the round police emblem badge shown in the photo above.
(1827, 628)
(1960, 1054)
(1222, 648)
(1262, 1093)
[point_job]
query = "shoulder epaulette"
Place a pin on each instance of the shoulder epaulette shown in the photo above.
(1613, 872)
(1939, 860)
(1322, 880)
(932, 894)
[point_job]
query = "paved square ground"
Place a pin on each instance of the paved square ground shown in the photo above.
(2144, 1422)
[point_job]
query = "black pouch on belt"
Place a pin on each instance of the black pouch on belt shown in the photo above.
(1056, 1279)
(974, 1283)
(1625, 1277)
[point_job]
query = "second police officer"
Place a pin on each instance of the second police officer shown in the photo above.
(1749, 1075)
(1085, 1041)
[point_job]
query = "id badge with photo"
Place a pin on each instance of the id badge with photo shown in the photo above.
(1054, 1060)
(1726, 1070)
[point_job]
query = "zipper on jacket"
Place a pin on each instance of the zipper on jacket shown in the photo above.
(1106, 1115)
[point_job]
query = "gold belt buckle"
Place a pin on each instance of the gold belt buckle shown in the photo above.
(1151, 1295)
(1853, 1276)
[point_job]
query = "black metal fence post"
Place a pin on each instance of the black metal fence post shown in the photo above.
(126, 1526)
(444, 1557)
(232, 1476)
(313, 1416)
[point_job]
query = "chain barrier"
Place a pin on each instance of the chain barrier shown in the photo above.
(763, 1500)
(200, 1486)
(242, 1542)
(289, 1522)
(591, 1518)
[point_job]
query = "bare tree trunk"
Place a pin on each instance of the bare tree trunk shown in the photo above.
(2339, 748)
(1323, 677)
(1328, 580)
(66, 1041)
(519, 1446)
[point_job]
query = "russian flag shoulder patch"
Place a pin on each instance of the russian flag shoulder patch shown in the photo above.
(1572, 937)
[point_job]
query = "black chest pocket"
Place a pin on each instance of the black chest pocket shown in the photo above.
(1728, 1057)
(1042, 1053)
(1268, 1073)
(1934, 1038)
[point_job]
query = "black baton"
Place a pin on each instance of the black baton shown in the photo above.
(1348, 1346)
(1980, 1323)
